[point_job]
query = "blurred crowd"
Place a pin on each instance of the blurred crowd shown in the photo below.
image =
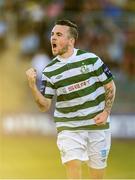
(106, 27)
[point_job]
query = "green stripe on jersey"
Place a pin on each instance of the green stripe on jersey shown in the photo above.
(49, 85)
(90, 127)
(85, 105)
(77, 118)
(79, 52)
(50, 96)
(107, 80)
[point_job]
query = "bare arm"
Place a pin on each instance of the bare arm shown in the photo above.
(42, 102)
(110, 90)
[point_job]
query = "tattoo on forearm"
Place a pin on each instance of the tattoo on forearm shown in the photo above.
(109, 99)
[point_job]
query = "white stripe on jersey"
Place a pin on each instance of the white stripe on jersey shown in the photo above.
(50, 91)
(102, 77)
(77, 123)
(98, 64)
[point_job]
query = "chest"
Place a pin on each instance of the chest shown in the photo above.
(72, 74)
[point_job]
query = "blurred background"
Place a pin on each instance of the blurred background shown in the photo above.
(28, 137)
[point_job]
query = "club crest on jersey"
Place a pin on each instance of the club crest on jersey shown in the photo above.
(84, 68)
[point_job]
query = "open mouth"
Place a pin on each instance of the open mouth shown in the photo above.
(54, 45)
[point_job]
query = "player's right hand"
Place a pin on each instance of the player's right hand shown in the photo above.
(31, 76)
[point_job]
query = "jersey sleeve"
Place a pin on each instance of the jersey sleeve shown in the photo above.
(102, 71)
(47, 87)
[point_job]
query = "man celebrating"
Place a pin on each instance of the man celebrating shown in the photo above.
(85, 93)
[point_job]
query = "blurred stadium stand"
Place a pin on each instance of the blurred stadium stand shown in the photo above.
(106, 27)
(122, 126)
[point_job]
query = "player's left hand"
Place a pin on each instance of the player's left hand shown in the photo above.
(101, 118)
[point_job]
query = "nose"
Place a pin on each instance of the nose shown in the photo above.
(53, 39)
(53, 36)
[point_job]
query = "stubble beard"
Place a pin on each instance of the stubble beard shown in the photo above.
(61, 51)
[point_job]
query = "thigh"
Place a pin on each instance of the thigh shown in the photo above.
(72, 145)
(98, 148)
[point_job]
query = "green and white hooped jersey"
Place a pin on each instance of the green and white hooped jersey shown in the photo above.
(78, 84)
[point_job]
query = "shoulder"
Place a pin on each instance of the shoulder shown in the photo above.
(87, 55)
(51, 65)
(53, 61)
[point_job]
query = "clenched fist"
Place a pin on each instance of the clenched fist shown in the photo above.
(101, 118)
(31, 76)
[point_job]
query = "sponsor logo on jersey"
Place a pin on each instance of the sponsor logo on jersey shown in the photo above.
(78, 86)
(73, 87)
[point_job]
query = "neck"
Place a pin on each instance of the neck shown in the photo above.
(68, 53)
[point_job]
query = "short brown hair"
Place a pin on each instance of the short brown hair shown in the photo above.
(73, 27)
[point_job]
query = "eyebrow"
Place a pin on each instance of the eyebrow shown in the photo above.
(58, 33)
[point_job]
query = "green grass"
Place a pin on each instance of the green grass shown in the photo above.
(122, 160)
(37, 157)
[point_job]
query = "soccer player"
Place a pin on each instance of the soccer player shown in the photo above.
(85, 93)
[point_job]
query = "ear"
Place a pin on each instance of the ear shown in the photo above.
(72, 40)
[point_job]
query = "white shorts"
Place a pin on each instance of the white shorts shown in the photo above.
(92, 147)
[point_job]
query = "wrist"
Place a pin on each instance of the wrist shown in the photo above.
(33, 87)
(107, 111)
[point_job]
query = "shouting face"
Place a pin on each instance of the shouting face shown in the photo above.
(61, 40)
